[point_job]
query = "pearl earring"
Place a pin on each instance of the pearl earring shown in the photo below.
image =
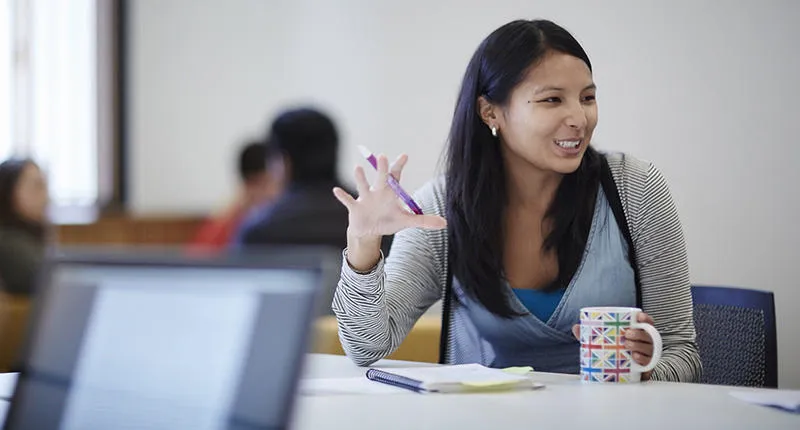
(494, 131)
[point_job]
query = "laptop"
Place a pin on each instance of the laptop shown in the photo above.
(143, 341)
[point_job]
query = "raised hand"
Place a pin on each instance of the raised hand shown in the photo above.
(378, 212)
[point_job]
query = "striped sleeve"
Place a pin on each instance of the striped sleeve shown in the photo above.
(376, 310)
(660, 247)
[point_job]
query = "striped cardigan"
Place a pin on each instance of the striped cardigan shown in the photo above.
(376, 310)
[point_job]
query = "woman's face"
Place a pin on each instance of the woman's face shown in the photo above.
(551, 115)
(30, 195)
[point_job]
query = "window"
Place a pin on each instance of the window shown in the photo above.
(54, 71)
(6, 62)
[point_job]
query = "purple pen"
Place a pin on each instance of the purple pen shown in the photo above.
(392, 181)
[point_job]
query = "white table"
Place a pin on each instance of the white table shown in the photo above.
(564, 403)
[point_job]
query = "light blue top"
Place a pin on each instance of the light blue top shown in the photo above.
(543, 338)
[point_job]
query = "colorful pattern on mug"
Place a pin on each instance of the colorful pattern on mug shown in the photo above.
(604, 357)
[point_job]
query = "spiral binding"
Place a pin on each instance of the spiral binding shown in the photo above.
(395, 380)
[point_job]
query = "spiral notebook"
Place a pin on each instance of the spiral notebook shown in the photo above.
(452, 379)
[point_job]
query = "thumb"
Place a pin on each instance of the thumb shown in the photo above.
(576, 331)
(429, 222)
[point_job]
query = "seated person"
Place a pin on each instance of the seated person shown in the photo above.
(23, 226)
(529, 237)
(304, 143)
(258, 186)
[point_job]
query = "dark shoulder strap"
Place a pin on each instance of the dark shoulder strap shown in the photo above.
(612, 195)
(446, 300)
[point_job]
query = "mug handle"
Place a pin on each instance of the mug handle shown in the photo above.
(657, 347)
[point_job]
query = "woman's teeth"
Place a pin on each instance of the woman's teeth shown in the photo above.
(568, 144)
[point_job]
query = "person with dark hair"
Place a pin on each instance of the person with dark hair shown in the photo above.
(305, 142)
(23, 224)
(523, 229)
(258, 186)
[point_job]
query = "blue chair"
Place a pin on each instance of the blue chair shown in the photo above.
(736, 336)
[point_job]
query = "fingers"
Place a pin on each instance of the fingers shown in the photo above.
(344, 198)
(429, 222)
(361, 181)
(637, 335)
(644, 318)
(576, 331)
(383, 172)
(641, 359)
(639, 342)
(640, 347)
(398, 165)
(640, 351)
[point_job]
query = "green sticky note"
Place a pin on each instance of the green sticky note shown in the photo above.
(490, 385)
(523, 370)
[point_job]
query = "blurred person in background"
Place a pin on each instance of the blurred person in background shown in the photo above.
(259, 186)
(23, 224)
(304, 142)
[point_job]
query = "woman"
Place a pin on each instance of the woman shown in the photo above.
(530, 237)
(23, 205)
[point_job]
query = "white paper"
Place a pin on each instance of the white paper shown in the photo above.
(346, 386)
(785, 399)
(462, 373)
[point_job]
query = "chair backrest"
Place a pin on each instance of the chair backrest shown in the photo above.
(13, 327)
(14, 313)
(736, 336)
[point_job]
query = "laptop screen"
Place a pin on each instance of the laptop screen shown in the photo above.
(163, 347)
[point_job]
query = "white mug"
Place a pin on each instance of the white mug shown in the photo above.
(604, 356)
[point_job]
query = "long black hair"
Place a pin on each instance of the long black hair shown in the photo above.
(476, 179)
(10, 173)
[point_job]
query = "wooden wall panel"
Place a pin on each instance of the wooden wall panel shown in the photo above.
(130, 231)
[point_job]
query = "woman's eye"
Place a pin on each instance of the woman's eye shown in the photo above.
(590, 98)
(550, 100)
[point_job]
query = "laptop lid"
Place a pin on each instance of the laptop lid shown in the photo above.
(141, 341)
